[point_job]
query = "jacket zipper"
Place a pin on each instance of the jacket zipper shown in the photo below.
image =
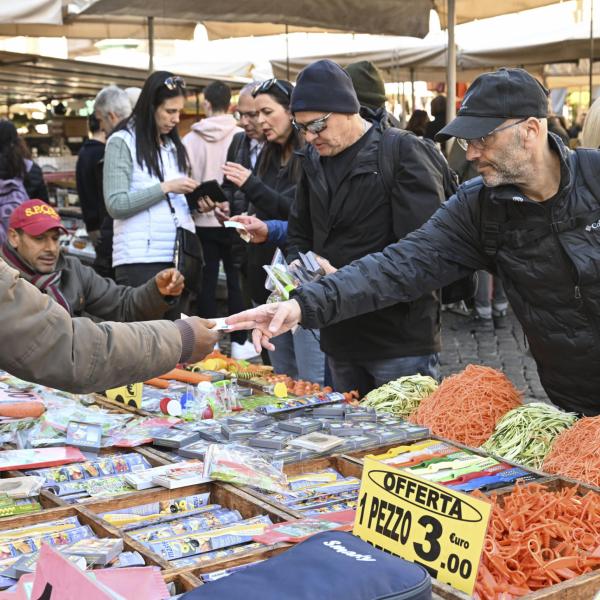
(577, 294)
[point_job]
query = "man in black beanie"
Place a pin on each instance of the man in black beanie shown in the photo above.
(344, 211)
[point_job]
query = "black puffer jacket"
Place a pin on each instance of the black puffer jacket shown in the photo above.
(361, 218)
(551, 275)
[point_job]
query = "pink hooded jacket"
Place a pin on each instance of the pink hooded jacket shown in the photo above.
(207, 144)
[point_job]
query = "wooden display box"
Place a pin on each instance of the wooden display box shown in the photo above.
(346, 467)
(183, 583)
(358, 456)
(49, 499)
(224, 494)
(99, 527)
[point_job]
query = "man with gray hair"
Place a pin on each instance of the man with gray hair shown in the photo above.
(111, 106)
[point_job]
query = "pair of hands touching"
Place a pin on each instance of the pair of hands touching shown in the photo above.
(266, 321)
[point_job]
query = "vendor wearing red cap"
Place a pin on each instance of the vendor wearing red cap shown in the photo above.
(32, 247)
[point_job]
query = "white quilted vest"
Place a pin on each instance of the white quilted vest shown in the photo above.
(149, 236)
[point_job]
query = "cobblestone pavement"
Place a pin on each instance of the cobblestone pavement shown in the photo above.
(503, 349)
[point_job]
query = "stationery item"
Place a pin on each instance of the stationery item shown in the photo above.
(96, 551)
(300, 425)
(270, 439)
(317, 441)
(195, 450)
(33, 458)
(21, 487)
(301, 529)
(183, 474)
(242, 465)
(130, 559)
(175, 438)
(86, 436)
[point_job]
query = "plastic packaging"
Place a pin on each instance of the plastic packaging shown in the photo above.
(242, 465)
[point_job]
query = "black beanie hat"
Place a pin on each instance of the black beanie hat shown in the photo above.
(324, 86)
(368, 83)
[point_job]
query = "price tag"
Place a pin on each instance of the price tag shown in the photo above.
(131, 394)
(423, 522)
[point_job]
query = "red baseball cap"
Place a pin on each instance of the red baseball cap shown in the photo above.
(35, 217)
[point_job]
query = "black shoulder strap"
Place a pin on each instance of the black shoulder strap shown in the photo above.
(389, 146)
(588, 160)
(492, 214)
(391, 139)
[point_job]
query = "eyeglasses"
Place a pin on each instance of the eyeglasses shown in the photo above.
(265, 86)
(239, 115)
(479, 143)
(172, 83)
(315, 127)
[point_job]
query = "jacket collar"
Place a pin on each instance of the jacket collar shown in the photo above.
(512, 192)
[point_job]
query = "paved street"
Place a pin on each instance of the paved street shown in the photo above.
(503, 349)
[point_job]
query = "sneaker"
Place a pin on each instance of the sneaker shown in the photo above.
(500, 320)
(478, 323)
(243, 351)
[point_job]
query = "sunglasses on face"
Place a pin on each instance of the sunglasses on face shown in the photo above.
(265, 86)
(315, 127)
(479, 143)
(172, 83)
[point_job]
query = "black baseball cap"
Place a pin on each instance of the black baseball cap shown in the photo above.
(492, 99)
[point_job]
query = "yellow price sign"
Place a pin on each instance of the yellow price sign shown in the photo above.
(423, 522)
(131, 394)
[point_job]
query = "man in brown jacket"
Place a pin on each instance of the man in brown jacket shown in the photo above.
(41, 342)
(32, 247)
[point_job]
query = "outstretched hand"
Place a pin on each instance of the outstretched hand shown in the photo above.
(170, 282)
(267, 321)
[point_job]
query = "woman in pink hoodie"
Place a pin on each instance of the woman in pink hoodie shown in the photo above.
(207, 145)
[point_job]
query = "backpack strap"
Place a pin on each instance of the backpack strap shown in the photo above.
(388, 146)
(391, 141)
(588, 161)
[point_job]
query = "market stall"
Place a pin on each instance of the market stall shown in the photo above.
(138, 477)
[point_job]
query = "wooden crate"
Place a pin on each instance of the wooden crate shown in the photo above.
(182, 582)
(358, 456)
(51, 499)
(579, 588)
(346, 467)
(224, 494)
(99, 527)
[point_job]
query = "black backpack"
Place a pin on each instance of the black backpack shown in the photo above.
(390, 145)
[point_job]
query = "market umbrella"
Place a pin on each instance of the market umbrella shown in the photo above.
(31, 11)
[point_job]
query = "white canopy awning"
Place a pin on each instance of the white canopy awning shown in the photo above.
(31, 11)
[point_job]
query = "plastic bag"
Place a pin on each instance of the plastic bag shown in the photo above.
(283, 278)
(242, 465)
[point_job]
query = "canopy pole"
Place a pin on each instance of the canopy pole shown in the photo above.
(287, 53)
(412, 92)
(451, 66)
(591, 70)
(150, 44)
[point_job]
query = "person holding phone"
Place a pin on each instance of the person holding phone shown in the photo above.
(270, 190)
(145, 174)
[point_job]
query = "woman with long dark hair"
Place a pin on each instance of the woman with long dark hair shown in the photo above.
(145, 175)
(270, 189)
(15, 175)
